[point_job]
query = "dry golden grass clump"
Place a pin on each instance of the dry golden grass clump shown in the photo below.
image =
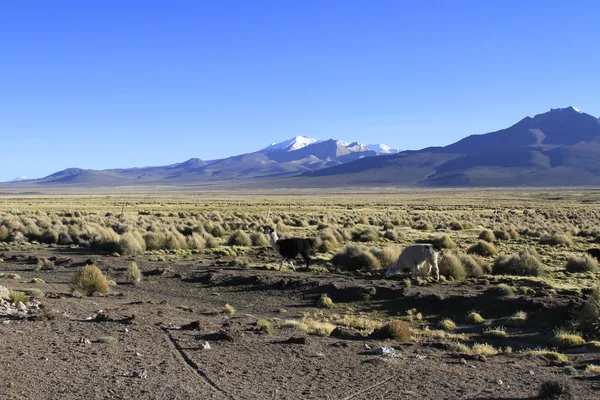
(311, 326)
(239, 238)
(502, 290)
(525, 263)
(483, 248)
(17, 297)
(517, 319)
(365, 235)
(327, 241)
(498, 332)
(355, 258)
(557, 239)
(259, 239)
(475, 318)
(398, 330)
(447, 324)
(565, 339)
(228, 309)
(132, 243)
(134, 275)
(89, 280)
(451, 267)
(440, 242)
(265, 326)
(584, 263)
(325, 302)
(474, 266)
(392, 235)
(386, 255)
(487, 235)
(588, 319)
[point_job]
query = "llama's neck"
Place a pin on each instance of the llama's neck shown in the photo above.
(273, 239)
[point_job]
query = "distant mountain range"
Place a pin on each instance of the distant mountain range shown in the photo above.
(288, 158)
(558, 148)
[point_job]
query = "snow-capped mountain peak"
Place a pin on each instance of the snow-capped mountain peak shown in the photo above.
(381, 148)
(19, 178)
(357, 146)
(292, 144)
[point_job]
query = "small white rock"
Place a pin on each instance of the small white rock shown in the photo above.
(205, 346)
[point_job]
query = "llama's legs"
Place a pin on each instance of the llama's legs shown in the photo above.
(292, 264)
(281, 265)
(433, 263)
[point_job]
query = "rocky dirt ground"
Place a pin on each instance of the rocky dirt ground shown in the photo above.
(168, 337)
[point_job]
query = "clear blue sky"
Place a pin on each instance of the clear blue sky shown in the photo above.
(111, 84)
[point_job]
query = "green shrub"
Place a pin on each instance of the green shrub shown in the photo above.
(483, 248)
(89, 280)
(355, 258)
(525, 263)
(585, 263)
(239, 238)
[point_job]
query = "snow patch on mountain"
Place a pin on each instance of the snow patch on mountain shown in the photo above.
(292, 144)
(382, 148)
(19, 178)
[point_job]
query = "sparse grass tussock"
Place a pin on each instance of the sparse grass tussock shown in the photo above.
(398, 330)
(517, 319)
(132, 243)
(502, 290)
(228, 309)
(483, 248)
(487, 235)
(564, 339)
(16, 297)
(311, 326)
(265, 326)
(325, 301)
(484, 349)
(134, 275)
(498, 332)
(584, 263)
(525, 263)
(259, 239)
(451, 267)
(592, 369)
(89, 280)
(475, 318)
(557, 239)
(239, 238)
(447, 324)
(355, 258)
(363, 324)
(386, 255)
(365, 235)
(588, 318)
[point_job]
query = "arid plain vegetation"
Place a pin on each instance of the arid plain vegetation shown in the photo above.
(179, 296)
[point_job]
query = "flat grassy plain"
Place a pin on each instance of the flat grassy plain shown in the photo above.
(210, 315)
